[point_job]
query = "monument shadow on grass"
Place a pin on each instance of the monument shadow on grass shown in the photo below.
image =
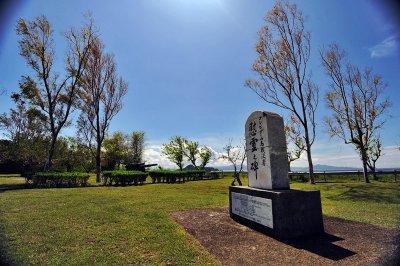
(321, 245)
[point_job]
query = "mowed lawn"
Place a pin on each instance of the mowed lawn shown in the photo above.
(132, 226)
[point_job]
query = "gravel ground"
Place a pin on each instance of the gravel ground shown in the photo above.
(344, 242)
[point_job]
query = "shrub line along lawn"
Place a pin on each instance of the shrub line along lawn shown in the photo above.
(131, 225)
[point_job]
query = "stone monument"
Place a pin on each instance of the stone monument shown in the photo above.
(268, 204)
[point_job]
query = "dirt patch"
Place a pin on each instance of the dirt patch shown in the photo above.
(344, 242)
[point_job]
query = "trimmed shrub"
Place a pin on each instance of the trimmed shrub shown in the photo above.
(299, 178)
(64, 179)
(106, 176)
(196, 174)
(123, 178)
(173, 176)
(214, 174)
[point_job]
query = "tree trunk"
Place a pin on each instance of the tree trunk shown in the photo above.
(365, 173)
(49, 162)
(238, 179)
(308, 145)
(236, 176)
(364, 162)
(289, 169)
(98, 163)
(233, 180)
(310, 166)
(310, 163)
(374, 170)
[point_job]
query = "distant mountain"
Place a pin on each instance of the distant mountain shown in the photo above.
(317, 167)
(322, 167)
(191, 168)
(227, 168)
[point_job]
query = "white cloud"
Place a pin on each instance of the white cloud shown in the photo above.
(326, 152)
(152, 154)
(388, 47)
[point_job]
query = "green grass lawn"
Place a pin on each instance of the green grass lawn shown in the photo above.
(131, 225)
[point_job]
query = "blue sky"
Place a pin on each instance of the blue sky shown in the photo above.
(186, 62)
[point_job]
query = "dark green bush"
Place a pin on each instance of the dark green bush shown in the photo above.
(123, 178)
(64, 179)
(107, 177)
(172, 176)
(196, 174)
(299, 178)
(166, 176)
(214, 174)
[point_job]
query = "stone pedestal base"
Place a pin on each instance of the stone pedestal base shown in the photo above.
(279, 213)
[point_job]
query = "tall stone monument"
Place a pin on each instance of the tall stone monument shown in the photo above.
(268, 204)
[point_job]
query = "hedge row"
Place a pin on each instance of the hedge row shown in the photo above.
(174, 176)
(65, 179)
(123, 178)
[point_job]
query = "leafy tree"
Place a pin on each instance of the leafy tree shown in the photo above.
(137, 146)
(27, 139)
(101, 93)
(73, 156)
(175, 151)
(355, 99)
(180, 149)
(284, 80)
(116, 150)
(236, 155)
(374, 153)
(21, 122)
(205, 156)
(53, 97)
(191, 151)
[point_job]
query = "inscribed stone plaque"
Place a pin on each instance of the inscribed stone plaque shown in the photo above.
(267, 163)
(256, 209)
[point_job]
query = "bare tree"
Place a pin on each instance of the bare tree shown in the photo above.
(101, 93)
(236, 155)
(294, 141)
(52, 96)
(355, 101)
(284, 80)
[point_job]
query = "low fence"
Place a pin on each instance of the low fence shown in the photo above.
(325, 174)
(359, 174)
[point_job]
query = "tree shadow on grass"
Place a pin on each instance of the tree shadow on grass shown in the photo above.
(394, 260)
(6, 187)
(389, 195)
(9, 187)
(4, 259)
